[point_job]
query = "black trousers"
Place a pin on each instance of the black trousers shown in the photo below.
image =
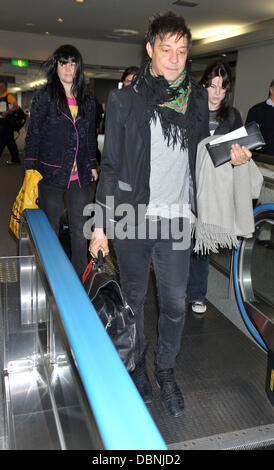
(171, 268)
(7, 139)
(51, 202)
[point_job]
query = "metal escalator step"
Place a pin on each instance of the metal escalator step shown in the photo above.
(8, 271)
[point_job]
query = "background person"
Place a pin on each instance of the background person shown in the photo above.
(8, 104)
(128, 75)
(61, 145)
(223, 118)
(263, 114)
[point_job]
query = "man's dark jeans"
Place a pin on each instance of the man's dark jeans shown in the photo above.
(51, 201)
(171, 270)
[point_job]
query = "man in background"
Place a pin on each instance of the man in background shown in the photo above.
(8, 104)
(128, 75)
(263, 114)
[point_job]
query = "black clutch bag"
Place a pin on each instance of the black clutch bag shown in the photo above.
(115, 314)
(220, 153)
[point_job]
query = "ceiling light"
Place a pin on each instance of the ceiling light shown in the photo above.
(37, 83)
(223, 30)
(225, 35)
(126, 32)
(60, 20)
(80, 1)
(47, 33)
(182, 3)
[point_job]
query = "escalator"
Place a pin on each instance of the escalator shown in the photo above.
(65, 385)
(253, 280)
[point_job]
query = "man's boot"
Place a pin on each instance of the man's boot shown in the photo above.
(170, 392)
(141, 380)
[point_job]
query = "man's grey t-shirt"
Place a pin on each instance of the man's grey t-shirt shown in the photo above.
(169, 177)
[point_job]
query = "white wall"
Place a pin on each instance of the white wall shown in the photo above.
(40, 47)
(255, 70)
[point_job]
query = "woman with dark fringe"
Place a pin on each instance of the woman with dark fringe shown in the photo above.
(61, 145)
(223, 118)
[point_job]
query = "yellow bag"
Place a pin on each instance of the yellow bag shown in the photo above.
(27, 198)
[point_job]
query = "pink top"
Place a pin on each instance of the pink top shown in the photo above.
(74, 110)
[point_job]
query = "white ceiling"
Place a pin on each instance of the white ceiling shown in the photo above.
(98, 19)
(251, 20)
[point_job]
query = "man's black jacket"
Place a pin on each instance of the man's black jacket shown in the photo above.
(263, 114)
(126, 155)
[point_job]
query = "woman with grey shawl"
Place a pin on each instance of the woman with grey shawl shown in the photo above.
(223, 118)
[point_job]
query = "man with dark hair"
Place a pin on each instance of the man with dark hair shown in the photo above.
(8, 104)
(148, 163)
(128, 75)
(263, 114)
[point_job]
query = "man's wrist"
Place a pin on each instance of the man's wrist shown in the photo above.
(99, 230)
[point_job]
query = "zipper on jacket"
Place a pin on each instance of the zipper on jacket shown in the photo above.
(77, 146)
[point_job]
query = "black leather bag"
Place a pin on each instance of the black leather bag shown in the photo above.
(117, 317)
(16, 119)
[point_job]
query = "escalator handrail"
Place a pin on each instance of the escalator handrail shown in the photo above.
(247, 321)
(122, 418)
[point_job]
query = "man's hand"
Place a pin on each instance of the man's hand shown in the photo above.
(98, 242)
(13, 108)
(94, 175)
(239, 155)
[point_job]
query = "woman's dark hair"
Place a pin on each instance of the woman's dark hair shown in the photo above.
(219, 69)
(162, 24)
(79, 88)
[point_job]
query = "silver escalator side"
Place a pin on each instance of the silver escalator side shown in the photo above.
(253, 282)
(65, 385)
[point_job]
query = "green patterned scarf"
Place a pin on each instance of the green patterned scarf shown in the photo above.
(169, 102)
(179, 103)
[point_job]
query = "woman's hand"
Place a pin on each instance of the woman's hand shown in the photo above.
(239, 155)
(98, 242)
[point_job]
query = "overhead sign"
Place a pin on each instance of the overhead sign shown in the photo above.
(19, 63)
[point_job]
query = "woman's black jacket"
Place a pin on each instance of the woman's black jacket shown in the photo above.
(53, 141)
